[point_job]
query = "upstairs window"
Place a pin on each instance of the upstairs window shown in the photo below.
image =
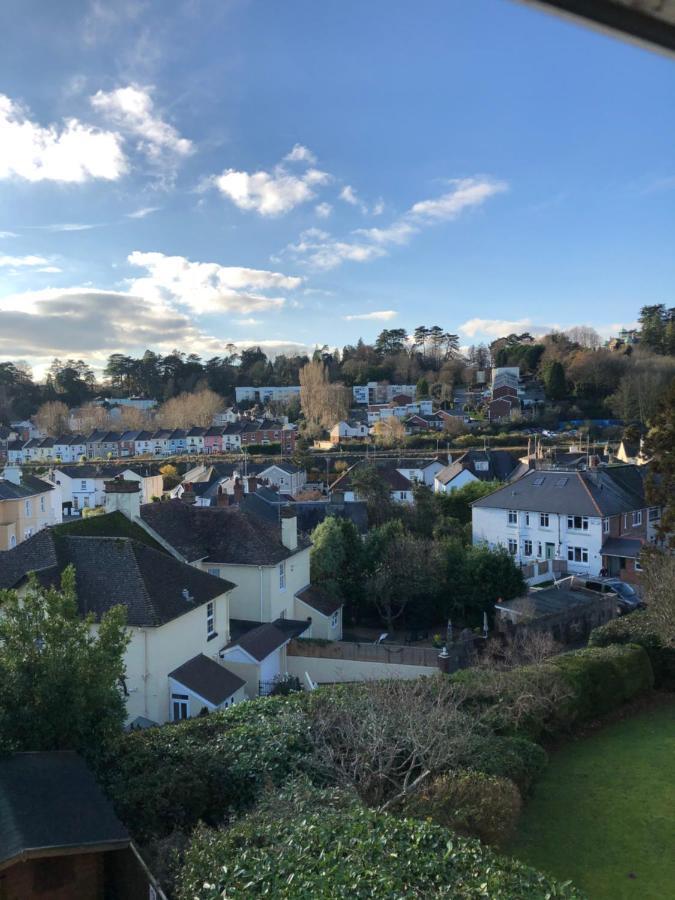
(28, 507)
(334, 620)
(654, 515)
(637, 517)
(513, 546)
(543, 520)
(605, 526)
(282, 576)
(577, 523)
(210, 619)
(513, 517)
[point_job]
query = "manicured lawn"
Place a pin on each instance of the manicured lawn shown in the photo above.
(603, 814)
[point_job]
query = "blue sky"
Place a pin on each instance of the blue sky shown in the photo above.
(296, 173)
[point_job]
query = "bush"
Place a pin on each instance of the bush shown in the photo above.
(324, 845)
(637, 628)
(602, 678)
(168, 778)
(515, 758)
(471, 803)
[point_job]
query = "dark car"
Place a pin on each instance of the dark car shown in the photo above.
(628, 598)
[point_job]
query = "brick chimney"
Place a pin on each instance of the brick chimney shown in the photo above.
(123, 496)
(238, 490)
(252, 484)
(289, 528)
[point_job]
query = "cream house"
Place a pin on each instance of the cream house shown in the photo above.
(27, 504)
(177, 617)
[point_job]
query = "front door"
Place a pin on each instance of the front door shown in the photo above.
(550, 551)
(180, 707)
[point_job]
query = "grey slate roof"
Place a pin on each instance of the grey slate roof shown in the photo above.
(208, 679)
(221, 535)
(51, 801)
(113, 571)
(593, 492)
(501, 465)
(629, 548)
(319, 599)
(30, 487)
(264, 639)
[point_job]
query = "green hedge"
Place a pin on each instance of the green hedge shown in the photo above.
(515, 758)
(322, 846)
(204, 769)
(637, 628)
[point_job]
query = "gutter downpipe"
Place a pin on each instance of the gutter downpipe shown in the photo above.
(260, 571)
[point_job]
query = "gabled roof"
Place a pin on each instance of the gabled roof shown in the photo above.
(30, 487)
(208, 679)
(259, 642)
(221, 535)
(287, 467)
(319, 599)
(626, 547)
(593, 492)
(113, 571)
(51, 801)
(500, 466)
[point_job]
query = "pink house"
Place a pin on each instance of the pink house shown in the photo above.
(213, 440)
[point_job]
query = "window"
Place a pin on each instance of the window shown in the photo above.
(42, 504)
(577, 554)
(543, 520)
(513, 547)
(12, 541)
(180, 707)
(334, 620)
(481, 465)
(528, 548)
(538, 548)
(282, 576)
(654, 514)
(210, 619)
(83, 485)
(513, 517)
(577, 523)
(527, 518)
(638, 567)
(637, 517)
(215, 572)
(605, 526)
(28, 507)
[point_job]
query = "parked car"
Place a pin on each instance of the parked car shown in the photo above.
(628, 598)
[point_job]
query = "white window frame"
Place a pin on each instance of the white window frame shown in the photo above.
(513, 546)
(334, 619)
(580, 552)
(182, 702)
(605, 526)
(28, 507)
(527, 518)
(210, 619)
(572, 523)
(544, 520)
(42, 504)
(513, 517)
(282, 575)
(637, 517)
(214, 571)
(527, 544)
(539, 548)
(654, 514)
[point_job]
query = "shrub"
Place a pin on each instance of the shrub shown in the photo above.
(602, 678)
(637, 628)
(515, 758)
(207, 768)
(471, 803)
(324, 845)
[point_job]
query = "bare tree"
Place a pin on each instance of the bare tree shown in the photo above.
(323, 404)
(390, 431)
(133, 419)
(526, 647)
(190, 410)
(52, 418)
(92, 416)
(387, 738)
(585, 336)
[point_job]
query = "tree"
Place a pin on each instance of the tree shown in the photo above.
(653, 320)
(52, 418)
(554, 381)
(336, 560)
(92, 416)
(658, 581)
(390, 431)
(391, 341)
(371, 487)
(323, 404)
(61, 680)
(422, 388)
(660, 446)
(585, 336)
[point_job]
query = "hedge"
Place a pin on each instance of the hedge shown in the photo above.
(637, 628)
(204, 769)
(515, 758)
(322, 846)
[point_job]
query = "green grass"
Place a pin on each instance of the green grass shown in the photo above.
(603, 813)
(113, 524)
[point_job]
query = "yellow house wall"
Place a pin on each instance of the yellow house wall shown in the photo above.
(13, 513)
(321, 625)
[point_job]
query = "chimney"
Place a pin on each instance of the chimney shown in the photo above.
(13, 474)
(223, 499)
(238, 490)
(289, 528)
(252, 484)
(123, 496)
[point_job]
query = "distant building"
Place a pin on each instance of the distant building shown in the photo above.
(264, 395)
(381, 392)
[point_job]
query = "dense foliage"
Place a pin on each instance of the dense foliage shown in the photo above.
(639, 628)
(325, 845)
(61, 683)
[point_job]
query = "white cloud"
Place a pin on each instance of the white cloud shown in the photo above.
(378, 207)
(323, 210)
(300, 154)
(50, 270)
(249, 321)
(208, 287)
(348, 194)
(382, 315)
(21, 261)
(323, 251)
(494, 328)
(272, 193)
(131, 109)
(65, 226)
(143, 212)
(74, 152)
(8, 234)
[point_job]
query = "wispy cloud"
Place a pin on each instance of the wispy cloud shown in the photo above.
(8, 234)
(72, 153)
(323, 210)
(17, 262)
(494, 327)
(381, 315)
(143, 212)
(272, 193)
(66, 226)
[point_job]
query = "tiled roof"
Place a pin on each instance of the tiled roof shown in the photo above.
(626, 547)
(319, 599)
(220, 535)
(208, 679)
(113, 571)
(51, 801)
(264, 639)
(30, 487)
(500, 466)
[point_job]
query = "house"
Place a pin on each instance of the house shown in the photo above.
(27, 504)
(257, 654)
(83, 486)
(400, 487)
(264, 395)
(379, 411)
(15, 453)
(174, 611)
(70, 448)
(225, 417)
(39, 450)
(421, 471)
(267, 560)
(60, 837)
(631, 452)
(381, 392)
(583, 518)
(501, 409)
(289, 479)
(476, 465)
(348, 431)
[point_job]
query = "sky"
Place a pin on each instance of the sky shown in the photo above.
(193, 173)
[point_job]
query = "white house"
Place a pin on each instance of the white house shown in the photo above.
(575, 516)
(263, 395)
(422, 471)
(83, 486)
(288, 478)
(69, 448)
(342, 431)
(478, 465)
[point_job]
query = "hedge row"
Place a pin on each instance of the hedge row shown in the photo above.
(637, 628)
(322, 845)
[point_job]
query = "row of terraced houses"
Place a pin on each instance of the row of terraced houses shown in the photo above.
(115, 445)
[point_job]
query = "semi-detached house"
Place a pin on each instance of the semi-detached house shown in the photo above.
(593, 520)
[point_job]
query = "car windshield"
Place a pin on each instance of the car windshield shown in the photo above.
(624, 590)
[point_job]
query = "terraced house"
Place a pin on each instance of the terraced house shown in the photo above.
(27, 505)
